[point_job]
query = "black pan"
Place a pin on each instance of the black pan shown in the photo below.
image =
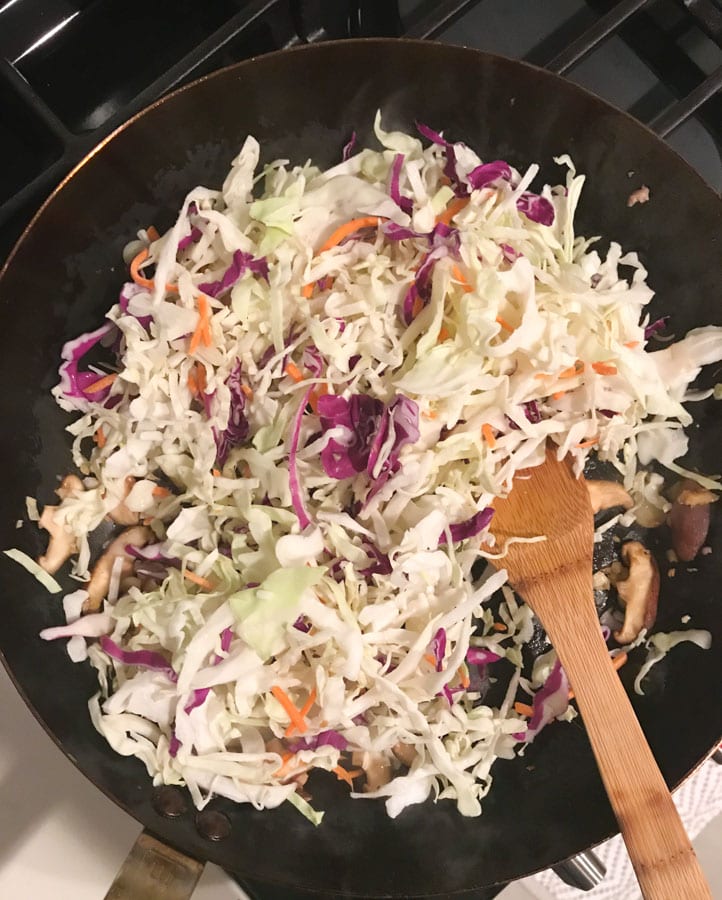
(66, 271)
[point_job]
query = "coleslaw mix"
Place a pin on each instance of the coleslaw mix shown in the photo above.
(320, 382)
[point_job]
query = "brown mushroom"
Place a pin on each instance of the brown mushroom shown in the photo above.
(376, 766)
(607, 494)
(405, 753)
(62, 543)
(70, 486)
(689, 519)
(99, 583)
(120, 514)
(638, 592)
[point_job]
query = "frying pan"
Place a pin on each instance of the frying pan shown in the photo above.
(66, 271)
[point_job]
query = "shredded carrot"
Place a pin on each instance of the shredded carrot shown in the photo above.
(345, 775)
(540, 376)
(135, 265)
(590, 443)
(459, 276)
(305, 709)
(430, 659)
(160, 491)
(443, 335)
(294, 372)
(101, 384)
(216, 473)
(349, 228)
(283, 768)
(202, 332)
(617, 661)
(319, 391)
(431, 414)
(499, 626)
(602, 368)
(152, 233)
(451, 210)
(417, 306)
(291, 711)
(463, 677)
(576, 369)
(307, 290)
(201, 377)
(487, 432)
(247, 391)
(507, 327)
(557, 395)
(197, 579)
(523, 709)
(99, 437)
(631, 344)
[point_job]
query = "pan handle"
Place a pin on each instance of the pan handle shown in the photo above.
(154, 871)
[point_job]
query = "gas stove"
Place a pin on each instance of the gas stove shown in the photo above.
(71, 71)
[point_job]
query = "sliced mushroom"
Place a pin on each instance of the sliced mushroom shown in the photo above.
(607, 494)
(120, 514)
(639, 592)
(405, 753)
(689, 519)
(99, 583)
(70, 486)
(62, 543)
(376, 766)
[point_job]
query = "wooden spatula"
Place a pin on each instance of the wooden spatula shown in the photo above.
(555, 578)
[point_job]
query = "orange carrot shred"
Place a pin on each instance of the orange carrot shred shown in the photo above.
(152, 233)
(460, 277)
(202, 331)
(499, 626)
(319, 391)
(631, 344)
(160, 491)
(443, 335)
(451, 210)
(540, 376)
(602, 368)
(431, 414)
(557, 395)
(216, 473)
(201, 377)
(523, 709)
(294, 372)
(247, 391)
(290, 710)
(487, 432)
(430, 659)
(197, 579)
(135, 265)
(576, 369)
(463, 677)
(283, 768)
(307, 290)
(348, 229)
(100, 384)
(507, 327)
(192, 384)
(417, 306)
(590, 443)
(99, 437)
(346, 775)
(309, 703)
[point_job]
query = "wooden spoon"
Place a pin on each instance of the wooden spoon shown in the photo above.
(555, 578)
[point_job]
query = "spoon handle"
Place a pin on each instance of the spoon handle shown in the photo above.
(661, 853)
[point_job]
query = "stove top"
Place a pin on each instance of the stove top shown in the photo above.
(73, 70)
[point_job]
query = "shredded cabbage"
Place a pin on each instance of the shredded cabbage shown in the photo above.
(315, 438)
